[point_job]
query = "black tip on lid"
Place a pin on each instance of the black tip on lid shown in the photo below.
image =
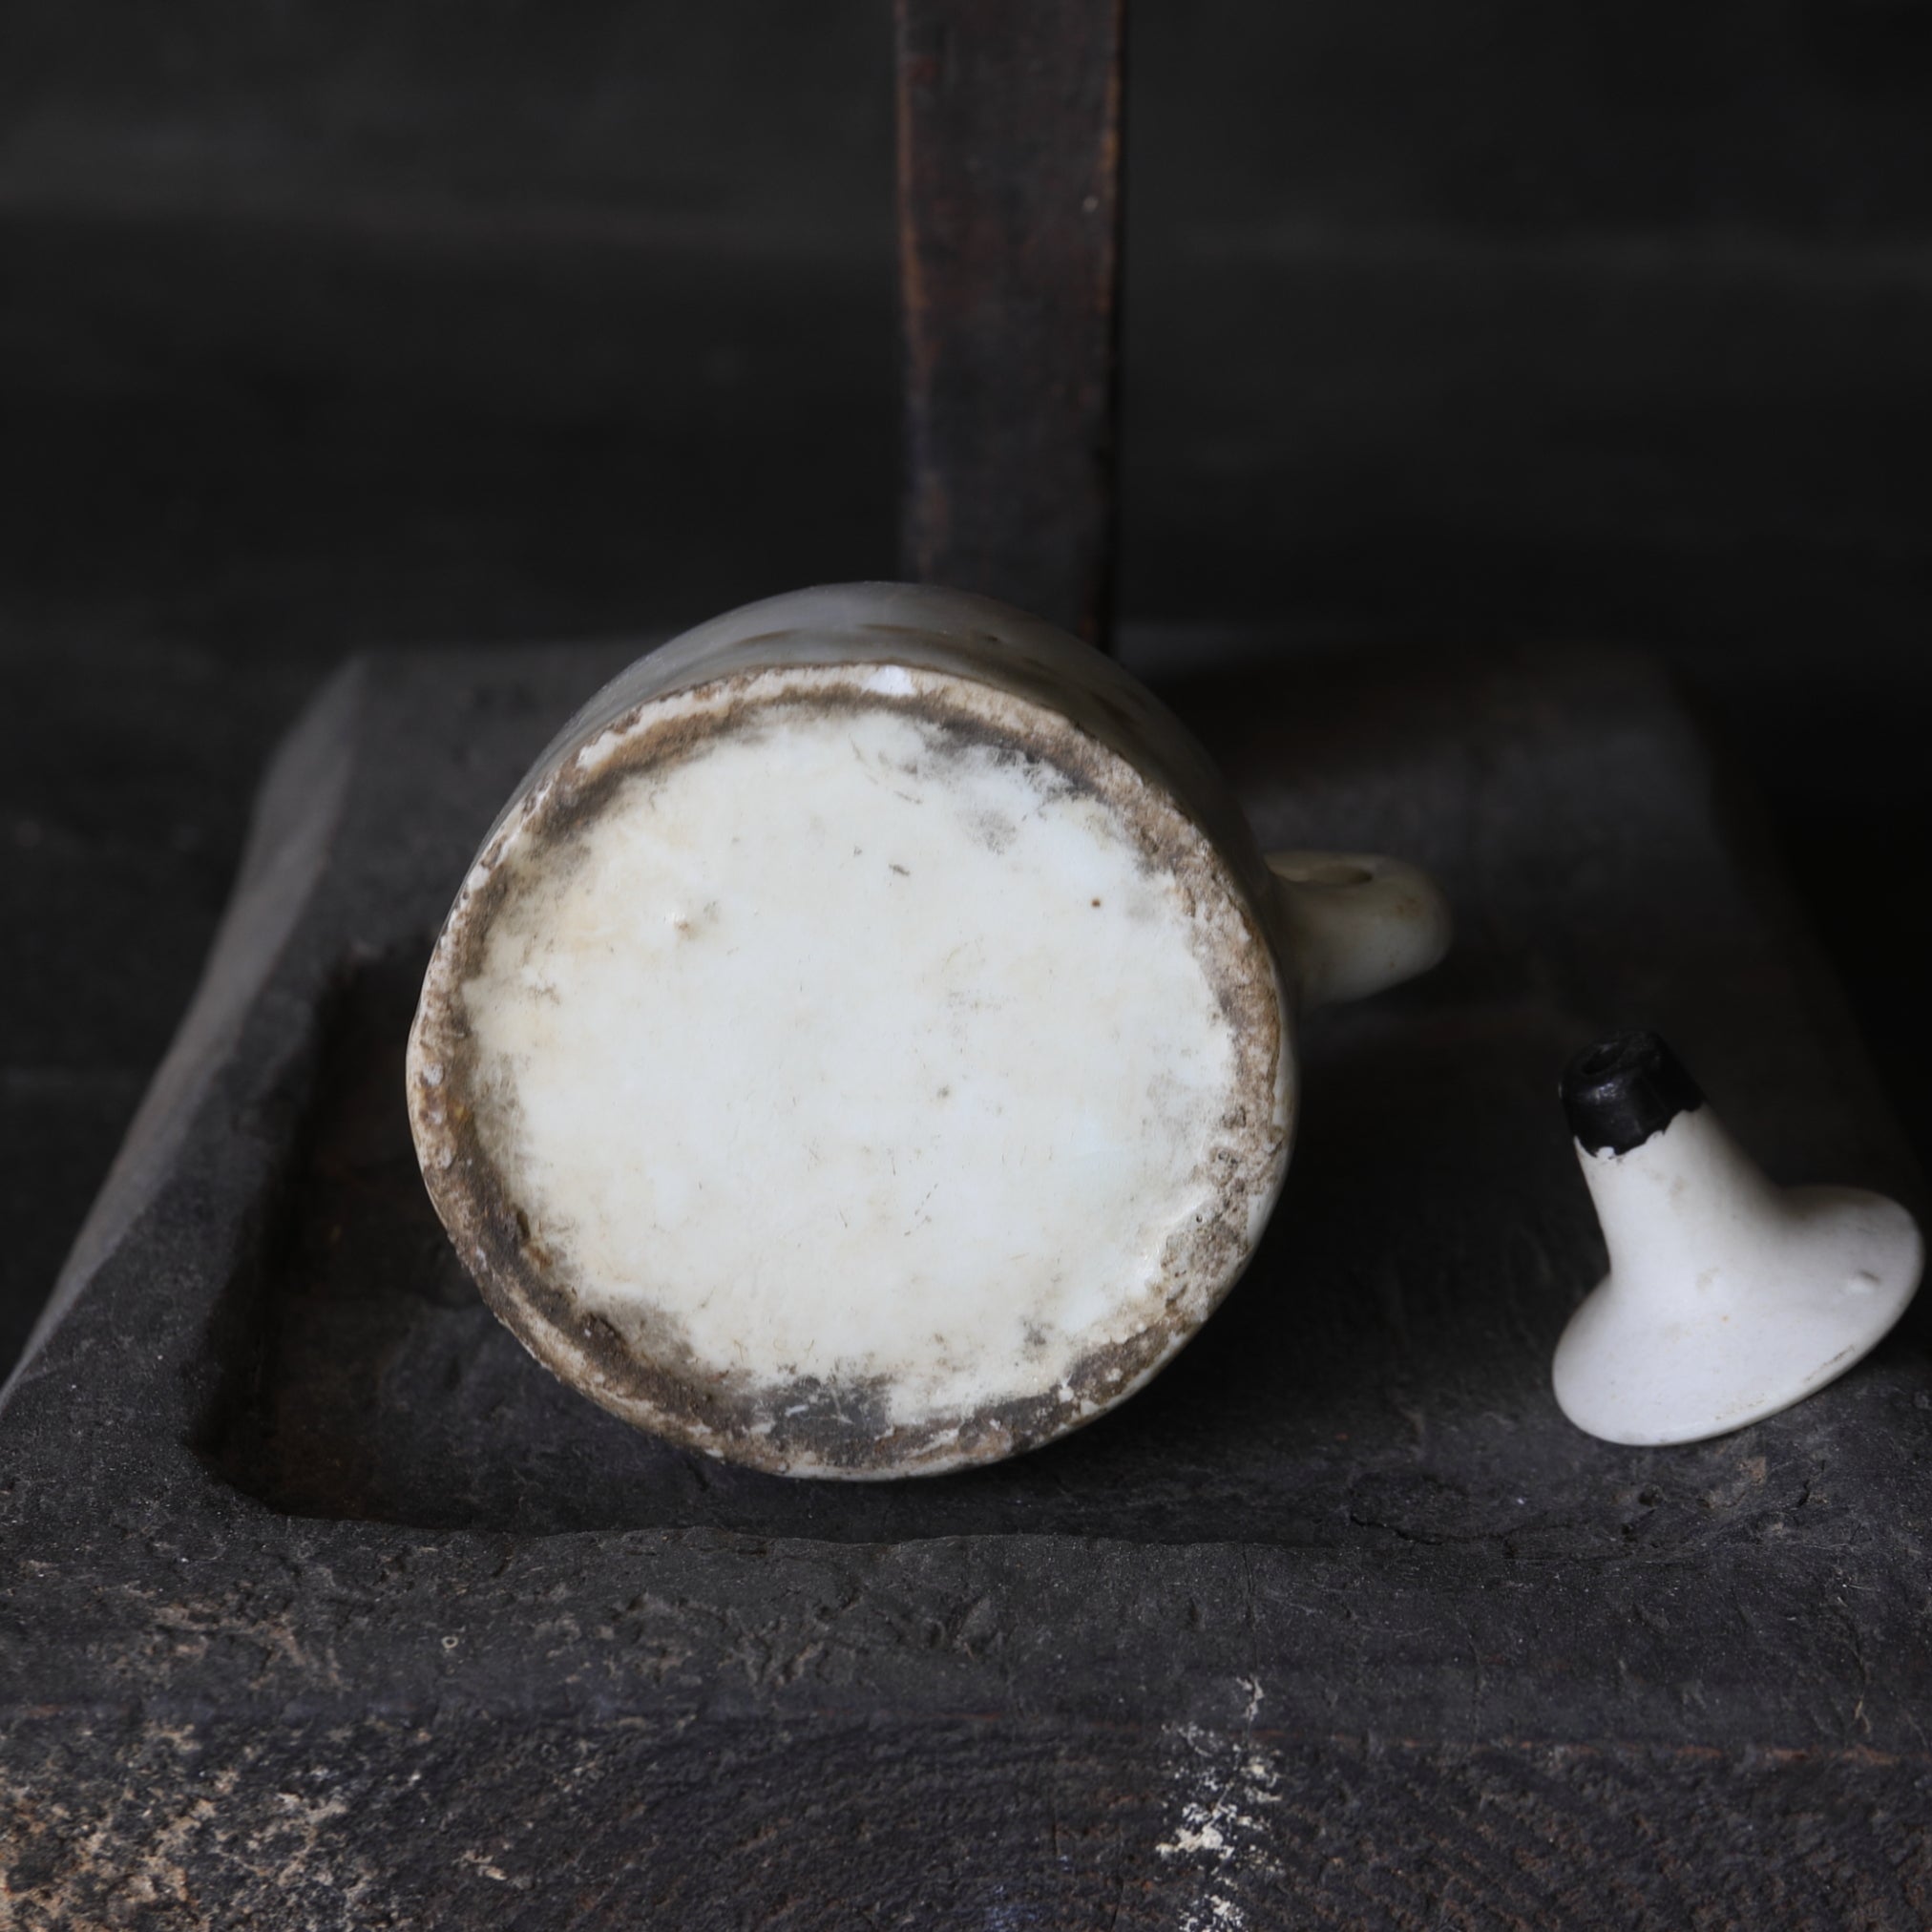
(1624, 1089)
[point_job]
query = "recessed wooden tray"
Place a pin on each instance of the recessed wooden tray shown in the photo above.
(328, 1606)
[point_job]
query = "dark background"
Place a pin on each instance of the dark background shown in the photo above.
(334, 326)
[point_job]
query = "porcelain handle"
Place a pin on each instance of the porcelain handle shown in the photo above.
(1357, 922)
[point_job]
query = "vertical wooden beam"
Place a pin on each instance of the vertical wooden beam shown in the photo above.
(1009, 166)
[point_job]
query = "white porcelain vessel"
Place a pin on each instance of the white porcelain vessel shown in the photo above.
(864, 1045)
(1727, 1297)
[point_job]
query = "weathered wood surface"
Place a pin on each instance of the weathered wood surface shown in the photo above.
(1009, 185)
(323, 1605)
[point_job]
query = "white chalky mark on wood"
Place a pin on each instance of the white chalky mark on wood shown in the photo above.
(1224, 1787)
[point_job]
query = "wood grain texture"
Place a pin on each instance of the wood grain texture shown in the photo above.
(320, 1605)
(1009, 183)
(446, 1819)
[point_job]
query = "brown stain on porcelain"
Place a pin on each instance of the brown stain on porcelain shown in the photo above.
(790, 1423)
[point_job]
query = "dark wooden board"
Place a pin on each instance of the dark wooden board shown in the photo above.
(320, 1605)
(1009, 182)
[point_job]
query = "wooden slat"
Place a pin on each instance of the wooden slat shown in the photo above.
(1009, 173)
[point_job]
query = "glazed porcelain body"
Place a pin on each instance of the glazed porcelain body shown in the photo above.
(1727, 1298)
(863, 1045)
